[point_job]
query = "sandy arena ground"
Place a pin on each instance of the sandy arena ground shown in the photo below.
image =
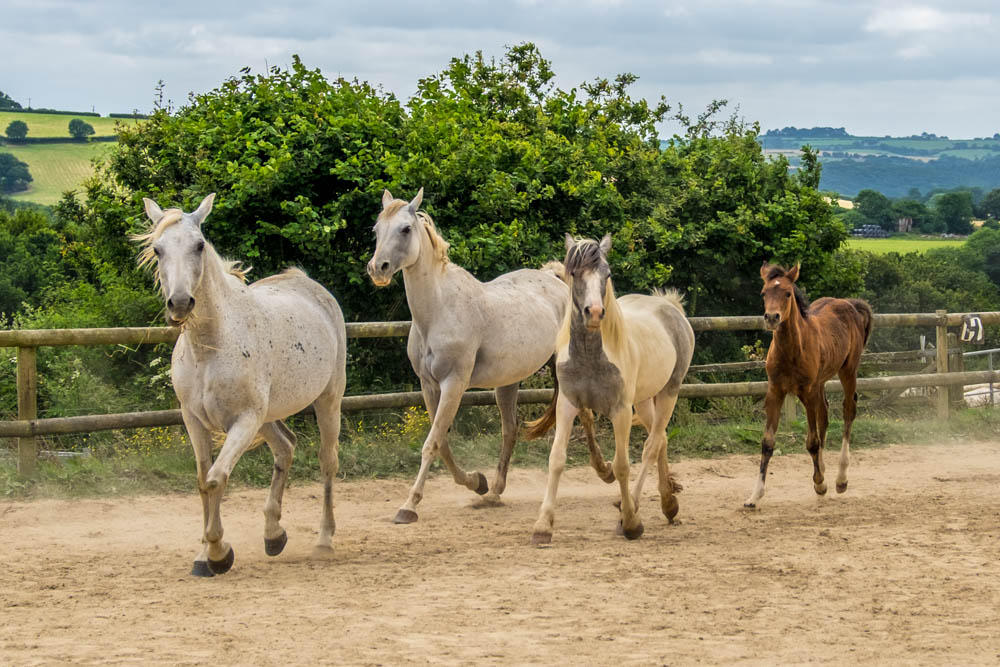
(902, 569)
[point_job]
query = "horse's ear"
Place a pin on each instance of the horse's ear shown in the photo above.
(415, 204)
(153, 210)
(793, 273)
(204, 208)
(386, 199)
(605, 245)
(569, 242)
(765, 268)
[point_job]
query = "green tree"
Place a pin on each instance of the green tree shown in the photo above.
(955, 211)
(915, 210)
(80, 129)
(6, 103)
(877, 208)
(14, 174)
(989, 207)
(17, 130)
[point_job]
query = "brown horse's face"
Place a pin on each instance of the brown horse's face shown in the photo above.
(778, 293)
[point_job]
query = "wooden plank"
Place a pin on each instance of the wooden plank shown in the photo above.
(941, 343)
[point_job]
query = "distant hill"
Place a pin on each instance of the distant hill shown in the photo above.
(892, 165)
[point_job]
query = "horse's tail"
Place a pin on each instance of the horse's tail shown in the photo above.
(865, 311)
(539, 427)
(673, 296)
(555, 267)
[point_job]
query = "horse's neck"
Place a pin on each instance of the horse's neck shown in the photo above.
(213, 300)
(424, 280)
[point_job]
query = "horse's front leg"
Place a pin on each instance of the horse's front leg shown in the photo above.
(645, 414)
(772, 407)
(449, 395)
(597, 462)
(506, 398)
(282, 441)
(201, 442)
(621, 419)
(239, 439)
(815, 404)
(565, 414)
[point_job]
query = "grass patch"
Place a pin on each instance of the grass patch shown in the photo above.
(57, 125)
(902, 244)
(55, 168)
(152, 461)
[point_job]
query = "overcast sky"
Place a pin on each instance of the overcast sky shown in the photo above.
(873, 67)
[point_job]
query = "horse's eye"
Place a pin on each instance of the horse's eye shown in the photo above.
(200, 246)
(405, 230)
(787, 295)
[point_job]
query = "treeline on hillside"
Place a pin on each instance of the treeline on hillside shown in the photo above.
(937, 212)
(896, 176)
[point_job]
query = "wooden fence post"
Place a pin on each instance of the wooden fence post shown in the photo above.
(941, 343)
(791, 407)
(956, 364)
(27, 407)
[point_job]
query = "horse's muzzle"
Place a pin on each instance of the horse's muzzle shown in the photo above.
(381, 276)
(771, 321)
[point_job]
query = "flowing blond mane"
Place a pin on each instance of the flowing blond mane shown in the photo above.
(147, 258)
(438, 244)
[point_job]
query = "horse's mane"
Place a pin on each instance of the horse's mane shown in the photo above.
(585, 255)
(801, 300)
(438, 244)
(147, 258)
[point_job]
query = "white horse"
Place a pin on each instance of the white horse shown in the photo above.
(614, 354)
(247, 357)
(467, 334)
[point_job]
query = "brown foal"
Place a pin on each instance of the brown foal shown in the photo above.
(811, 344)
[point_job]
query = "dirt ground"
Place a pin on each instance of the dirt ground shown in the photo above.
(904, 569)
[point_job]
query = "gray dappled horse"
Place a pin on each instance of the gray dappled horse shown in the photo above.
(466, 333)
(247, 357)
(613, 354)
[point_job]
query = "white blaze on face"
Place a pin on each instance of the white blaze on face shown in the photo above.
(592, 299)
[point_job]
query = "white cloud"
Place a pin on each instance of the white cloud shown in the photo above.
(901, 20)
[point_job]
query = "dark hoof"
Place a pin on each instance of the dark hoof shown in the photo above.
(750, 506)
(608, 477)
(541, 539)
(222, 566)
(484, 486)
(635, 533)
(275, 546)
(820, 489)
(405, 516)
(670, 508)
(841, 487)
(201, 569)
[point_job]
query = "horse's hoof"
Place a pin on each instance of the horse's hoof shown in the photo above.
(275, 546)
(670, 508)
(489, 500)
(841, 487)
(541, 539)
(405, 516)
(484, 486)
(201, 569)
(749, 506)
(609, 476)
(634, 533)
(222, 566)
(322, 551)
(820, 489)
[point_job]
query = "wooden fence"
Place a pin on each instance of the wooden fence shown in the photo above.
(27, 427)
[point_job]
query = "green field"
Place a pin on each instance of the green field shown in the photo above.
(57, 125)
(901, 245)
(55, 168)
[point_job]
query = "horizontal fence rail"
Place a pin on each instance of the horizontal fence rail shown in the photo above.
(27, 426)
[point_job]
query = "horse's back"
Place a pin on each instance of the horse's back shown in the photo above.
(662, 337)
(843, 327)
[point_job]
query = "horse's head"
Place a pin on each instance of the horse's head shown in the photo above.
(178, 249)
(397, 237)
(588, 273)
(779, 293)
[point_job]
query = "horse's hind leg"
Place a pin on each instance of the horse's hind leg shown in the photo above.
(849, 380)
(646, 414)
(507, 402)
(328, 418)
(282, 441)
(816, 415)
(668, 486)
(597, 462)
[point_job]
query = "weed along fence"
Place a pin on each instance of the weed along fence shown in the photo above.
(27, 427)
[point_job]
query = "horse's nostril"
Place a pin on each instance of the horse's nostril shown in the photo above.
(191, 303)
(170, 303)
(385, 266)
(586, 311)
